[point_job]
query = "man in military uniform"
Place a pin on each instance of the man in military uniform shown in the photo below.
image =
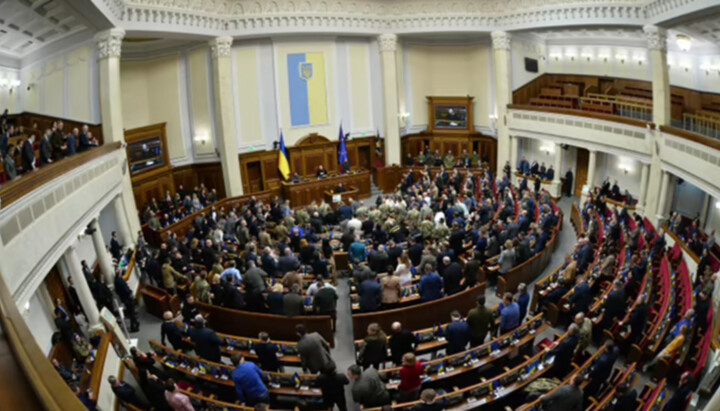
(427, 226)
(475, 159)
(281, 232)
(421, 159)
(449, 160)
(465, 158)
(440, 232)
(413, 217)
(302, 218)
(376, 216)
(425, 212)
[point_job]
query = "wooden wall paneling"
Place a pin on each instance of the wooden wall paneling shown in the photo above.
(210, 174)
(38, 123)
(184, 176)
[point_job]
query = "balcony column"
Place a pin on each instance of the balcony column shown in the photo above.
(108, 45)
(89, 306)
(514, 153)
(501, 43)
(122, 222)
(592, 161)
(220, 48)
(103, 255)
(556, 187)
(662, 201)
(643, 186)
(388, 46)
(704, 212)
(657, 48)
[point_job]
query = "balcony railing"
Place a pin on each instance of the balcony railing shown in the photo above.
(702, 124)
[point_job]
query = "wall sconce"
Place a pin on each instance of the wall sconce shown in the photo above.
(403, 116)
(587, 56)
(621, 58)
(640, 60)
(27, 306)
(717, 205)
(547, 149)
(202, 139)
(684, 42)
(605, 58)
(8, 83)
(625, 168)
(556, 56)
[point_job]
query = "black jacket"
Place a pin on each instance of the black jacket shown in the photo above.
(207, 343)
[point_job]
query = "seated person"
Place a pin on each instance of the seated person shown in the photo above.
(340, 188)
(321, 172)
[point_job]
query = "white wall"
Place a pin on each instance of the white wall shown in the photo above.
(62, 84)
(693, 71)
(40, 321)
(10, 98)
(526, 47)
(610, 165)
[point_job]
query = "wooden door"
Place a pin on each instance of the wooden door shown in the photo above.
(364, 160)
(57, 290)
(254, 170)
(581, 170)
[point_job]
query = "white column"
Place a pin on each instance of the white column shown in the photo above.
(643, 185)
(89, 306)
(591, 170)
(103, 256)
(225, 113)
(559, 153)
(704, 211)
(109, 44)
(125, 234)
(657, 47)
(503, 95)
(514, 154)
(388, 47)
(665, 182)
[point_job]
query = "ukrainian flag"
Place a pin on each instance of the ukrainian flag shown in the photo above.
(283, 163)
(307, 88)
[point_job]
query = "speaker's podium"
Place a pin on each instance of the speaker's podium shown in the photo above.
(335, 199)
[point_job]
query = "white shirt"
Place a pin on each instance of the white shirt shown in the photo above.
(355, 223)
(439, 216)
(312, 289)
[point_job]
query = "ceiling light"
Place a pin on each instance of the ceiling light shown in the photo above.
(684, 42)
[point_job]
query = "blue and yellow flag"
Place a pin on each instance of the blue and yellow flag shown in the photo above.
(283, 163)
(296, 379)
(308, 89)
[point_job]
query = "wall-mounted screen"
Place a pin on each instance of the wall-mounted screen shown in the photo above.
(451, 117)
(145, 154)
(531, 65)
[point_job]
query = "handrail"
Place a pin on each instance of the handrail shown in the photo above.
(26, 183)
(50, 388)
(580, 113)
(130, 267)
(96, 377)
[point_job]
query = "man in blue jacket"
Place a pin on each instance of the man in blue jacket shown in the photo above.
(248, 379)
(369, 291)
(457, 334)
(510, 314)
(431, 285)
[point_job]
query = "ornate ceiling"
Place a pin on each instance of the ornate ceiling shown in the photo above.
(26, 25)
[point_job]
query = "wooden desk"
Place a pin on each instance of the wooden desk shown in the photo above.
(193, 371)
(305, 192)
(352, 192)
(419, 316)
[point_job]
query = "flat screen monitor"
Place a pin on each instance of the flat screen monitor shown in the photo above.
(531, 65)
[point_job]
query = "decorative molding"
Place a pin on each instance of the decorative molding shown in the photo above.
(656, 37)
(109, 43)
(501, 40)
(387, 42)
(220, 46)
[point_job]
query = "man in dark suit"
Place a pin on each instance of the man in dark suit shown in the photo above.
(84, 143)
(170, 331)
(614, 305)
(45, 149)
(28, 154)
(452, 276)
(207, 343)
(59, 145)
(369, 291)
(457, 334)
(287, 262)
(601, 369)
(415, 251)
(115, 246)
(581, 298)
(126, 393)
(563, 353)
(72, 143)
